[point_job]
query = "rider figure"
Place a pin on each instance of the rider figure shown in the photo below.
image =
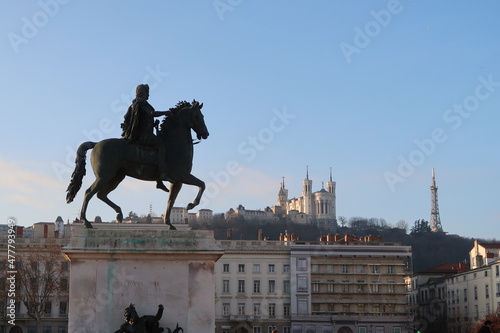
(138, 128)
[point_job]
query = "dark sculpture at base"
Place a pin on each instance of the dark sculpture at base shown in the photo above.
(114, 159)
(145, 324)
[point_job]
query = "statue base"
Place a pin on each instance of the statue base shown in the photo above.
(115, 265)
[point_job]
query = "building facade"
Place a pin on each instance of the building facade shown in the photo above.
(350, 286)
(253, 287)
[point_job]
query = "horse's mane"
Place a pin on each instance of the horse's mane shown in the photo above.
(175, 111)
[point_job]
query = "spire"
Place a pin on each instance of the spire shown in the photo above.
(331, 174)
(307, 172)
(283, 183)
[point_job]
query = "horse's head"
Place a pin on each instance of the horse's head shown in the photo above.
(197, 120)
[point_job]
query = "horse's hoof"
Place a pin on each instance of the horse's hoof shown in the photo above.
(171, 227)
(119, 218)
(190, 206)
(87, 225)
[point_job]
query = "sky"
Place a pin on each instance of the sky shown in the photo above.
(379, 91)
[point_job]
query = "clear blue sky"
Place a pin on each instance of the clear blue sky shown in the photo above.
(381, 91)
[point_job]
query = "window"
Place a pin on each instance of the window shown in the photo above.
(361, 308)
(63, 308)
(62, 329)
(346, 307)
(256, 268)
(64, 284)
(32, 329)
(315, 268)
(286, 286)
(286, 329)
(65, 266)
(241, 286)
(345, 269)
(271, 268)
(241, 309)
(391, 287)
(47, 329)
(498, 288)
(256, 309)
(465, 295)
(376, 308)
(497, 270)
(225, 268)
(286, 309)
(286, 268)
(375, 269)
(225, 309)
(47, 309)
(361, 269)
(225, 286)
(257, 329)
(270, 329)
(272, 309)
(241, 268)
(485, 273)
(361, 329)
(315, 286)
(301, 264)
(487, 292)
(330, 286)
(475, 292)
(361, 286)
(272, 286)
(256, 286)
(396, 330)
(345, 286)
(302, 283)
(391, 269)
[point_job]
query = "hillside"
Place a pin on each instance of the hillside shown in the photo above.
(429, 249)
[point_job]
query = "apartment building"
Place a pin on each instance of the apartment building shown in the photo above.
(253, 287)
(350, 285)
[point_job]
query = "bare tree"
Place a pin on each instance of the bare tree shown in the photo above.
(402, 224)
(42, 275)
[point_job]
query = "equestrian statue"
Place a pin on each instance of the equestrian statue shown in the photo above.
(166, 156)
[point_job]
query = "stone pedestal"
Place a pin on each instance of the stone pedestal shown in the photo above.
(114, 265)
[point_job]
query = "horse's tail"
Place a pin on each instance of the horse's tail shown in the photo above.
(77, 176)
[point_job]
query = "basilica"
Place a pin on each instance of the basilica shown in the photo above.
(312, 207)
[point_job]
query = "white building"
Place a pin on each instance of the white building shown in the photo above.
(252, 287)
(319, 206)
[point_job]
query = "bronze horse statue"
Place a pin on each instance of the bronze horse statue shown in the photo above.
(113, 159)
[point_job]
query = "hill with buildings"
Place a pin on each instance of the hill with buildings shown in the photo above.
(429, 248)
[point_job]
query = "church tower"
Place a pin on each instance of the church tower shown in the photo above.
(330, 188)
(283, 198)
(307, 194)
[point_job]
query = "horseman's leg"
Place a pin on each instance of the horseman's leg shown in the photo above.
(174, 191)
(162, 167)
(103, 195)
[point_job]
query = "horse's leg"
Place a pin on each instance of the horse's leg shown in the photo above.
(89, 193)
(104, 191)
(192, 180)
(174, 191)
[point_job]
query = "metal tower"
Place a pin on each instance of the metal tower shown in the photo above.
(435, 219)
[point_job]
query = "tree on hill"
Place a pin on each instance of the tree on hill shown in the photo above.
(420, 227)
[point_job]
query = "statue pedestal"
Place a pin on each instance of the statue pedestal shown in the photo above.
(144, 264)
